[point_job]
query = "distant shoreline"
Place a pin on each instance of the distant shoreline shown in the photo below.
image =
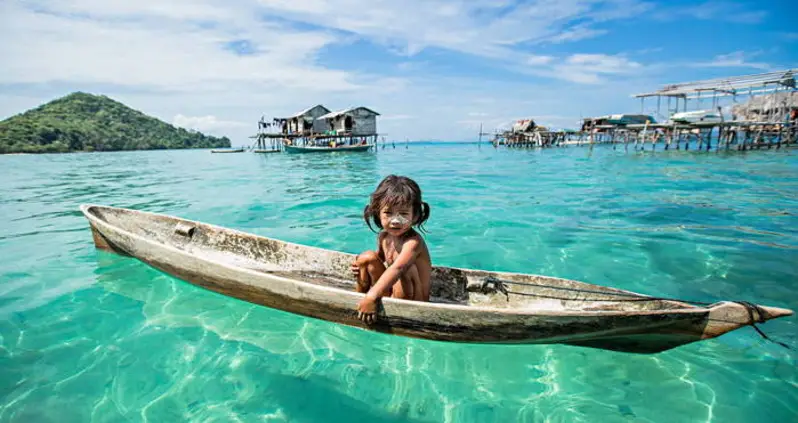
(106, 151)
(387, 144)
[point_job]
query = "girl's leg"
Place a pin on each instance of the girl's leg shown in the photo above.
(371, 268)
(408, 286)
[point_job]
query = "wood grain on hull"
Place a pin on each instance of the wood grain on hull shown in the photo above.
(622, 335)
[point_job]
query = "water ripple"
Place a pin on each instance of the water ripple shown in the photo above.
(90, 336)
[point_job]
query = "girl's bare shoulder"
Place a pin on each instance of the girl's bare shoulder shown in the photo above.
(419, 242)
(417, 236)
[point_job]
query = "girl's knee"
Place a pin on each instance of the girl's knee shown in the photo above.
(367, 257)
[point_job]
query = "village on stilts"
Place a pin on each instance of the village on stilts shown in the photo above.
(734, 113)
(317, 129)
(768, 118)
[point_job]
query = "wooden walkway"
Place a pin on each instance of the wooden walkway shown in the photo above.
(735, 135)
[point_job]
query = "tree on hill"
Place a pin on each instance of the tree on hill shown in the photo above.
(86, 122)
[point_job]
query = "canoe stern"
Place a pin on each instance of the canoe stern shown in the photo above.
(727, 316)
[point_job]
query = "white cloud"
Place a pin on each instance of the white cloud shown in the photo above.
(736, 59)
(482, 27)
(648, 50)
(602, 63)
(134, 45)
(539, 60)
(178, 46)
(137, 9)
(577, 33)
(583, 68)
(728, 11)
(169, 60)
(208, 123)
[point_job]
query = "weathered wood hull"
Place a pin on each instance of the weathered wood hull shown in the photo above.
(315, 282)
(350, 148)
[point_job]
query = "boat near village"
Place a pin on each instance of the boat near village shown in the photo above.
(470, 306)
(326, 149)
(697, 116)
(227, 150)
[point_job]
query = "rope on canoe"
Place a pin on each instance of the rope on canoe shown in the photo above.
(750, 307)
(500, 285)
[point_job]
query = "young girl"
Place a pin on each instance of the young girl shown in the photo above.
(401, 266)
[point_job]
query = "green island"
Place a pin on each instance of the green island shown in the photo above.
(87, 122)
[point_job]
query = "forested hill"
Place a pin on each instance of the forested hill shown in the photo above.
(86, 122)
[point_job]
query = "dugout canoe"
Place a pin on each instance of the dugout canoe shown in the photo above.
(228, 150)
(472, 306)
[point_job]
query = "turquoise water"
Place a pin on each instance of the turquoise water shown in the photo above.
(90, 336)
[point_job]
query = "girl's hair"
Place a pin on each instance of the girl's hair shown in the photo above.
(396, 191)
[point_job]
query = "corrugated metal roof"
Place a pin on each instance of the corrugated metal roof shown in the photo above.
(345, 111)
(306, 111)
(762, 82)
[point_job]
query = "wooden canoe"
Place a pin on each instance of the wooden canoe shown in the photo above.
(229, 150)
(470, 306)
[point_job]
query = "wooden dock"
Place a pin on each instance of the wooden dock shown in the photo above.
(769, 119)
(735, 135)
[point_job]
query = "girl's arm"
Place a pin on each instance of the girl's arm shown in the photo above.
(406, 258)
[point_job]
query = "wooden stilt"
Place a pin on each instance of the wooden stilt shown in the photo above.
(709, 139)
(668, 140)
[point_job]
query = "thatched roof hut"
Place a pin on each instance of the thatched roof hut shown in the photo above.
(767, 108)
(524, 125)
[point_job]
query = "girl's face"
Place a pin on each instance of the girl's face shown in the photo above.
(396, 220)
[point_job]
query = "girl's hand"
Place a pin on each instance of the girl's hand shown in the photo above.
(367, 310)
(355, 270)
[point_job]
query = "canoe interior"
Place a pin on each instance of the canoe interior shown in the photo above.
(332, 268)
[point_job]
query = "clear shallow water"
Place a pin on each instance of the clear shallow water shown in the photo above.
(90, 336)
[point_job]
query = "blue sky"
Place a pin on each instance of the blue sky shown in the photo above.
(433, 69)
